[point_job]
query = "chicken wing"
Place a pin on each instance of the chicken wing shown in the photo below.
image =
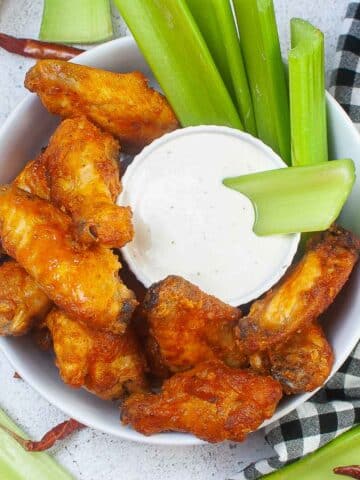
(22, 302)
(212, 401)
(82, 169)
(83, 281)
(186, 326)
(79, 173)
(107, 365)
(304, 294)
(301, 364)
(121, 103)
(33, 178)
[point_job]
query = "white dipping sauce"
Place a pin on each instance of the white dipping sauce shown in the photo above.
(188, 223)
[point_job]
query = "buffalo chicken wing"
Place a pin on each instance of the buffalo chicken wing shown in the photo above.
(212, 401)
(83, 174)
(186, 326)
(302, 364)
(107, 365)
(120, 103)
(83, 281)
(304, 293)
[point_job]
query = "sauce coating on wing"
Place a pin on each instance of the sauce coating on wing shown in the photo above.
(33, 178)
(107, 365)
(120, 103)
(212, 401)
(83, 281)
(187, 326)
(83, 175)
(304, 293)
(302, 364)
(22, 302)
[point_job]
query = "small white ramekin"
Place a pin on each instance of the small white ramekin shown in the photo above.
(135, 171)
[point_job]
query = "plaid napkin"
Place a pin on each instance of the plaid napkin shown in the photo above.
(329, 413)
(335, 408)
(345, 79)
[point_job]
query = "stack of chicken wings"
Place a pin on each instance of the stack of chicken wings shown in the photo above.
(181, 360)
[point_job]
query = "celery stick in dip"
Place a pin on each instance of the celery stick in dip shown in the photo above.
(188, 223)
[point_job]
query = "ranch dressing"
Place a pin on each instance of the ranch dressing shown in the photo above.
(188, 223)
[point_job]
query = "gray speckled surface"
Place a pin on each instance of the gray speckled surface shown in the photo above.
(91, 455)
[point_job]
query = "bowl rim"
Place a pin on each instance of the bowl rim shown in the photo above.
(168, 439)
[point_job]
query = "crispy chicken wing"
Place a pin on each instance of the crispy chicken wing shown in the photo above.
(33, 178)
(79, 173)
(121, 103)
(212, 401)
(82, 169)
(304, 293)
(301, 364)
(107, 365)
(186, 326)
(22, 302)
(83, 281)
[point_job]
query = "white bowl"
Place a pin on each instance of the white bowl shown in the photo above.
(28, 129)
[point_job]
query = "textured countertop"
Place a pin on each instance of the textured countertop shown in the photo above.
(92, 455)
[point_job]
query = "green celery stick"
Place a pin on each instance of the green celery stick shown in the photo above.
(343, 451)
(76, 21)
(18, 464)
(173, 46)
(297, 199)
(217, 25)
(266, 73)
(307, 94)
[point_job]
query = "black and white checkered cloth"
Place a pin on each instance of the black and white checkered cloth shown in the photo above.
(345, 79)
(335, 408)
(329, 413)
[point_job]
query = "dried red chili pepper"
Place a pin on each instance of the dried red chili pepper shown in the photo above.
(37, 49)
(352, 471)
(59, 432)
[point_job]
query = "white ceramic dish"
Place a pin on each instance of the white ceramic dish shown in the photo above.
(171, 172)
(21, 137)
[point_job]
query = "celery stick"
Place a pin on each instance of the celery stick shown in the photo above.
(217, 25)
(307, 94)
(319, 465)
(76, 21)
(172, 44)
(18, 464)
(261, 48)
(297, 199)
